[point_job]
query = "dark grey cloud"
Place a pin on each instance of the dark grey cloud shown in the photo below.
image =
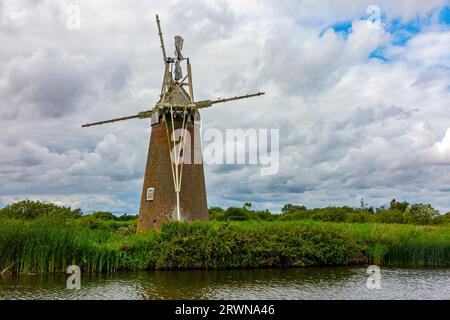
(47, 83)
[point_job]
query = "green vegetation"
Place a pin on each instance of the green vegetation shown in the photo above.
(398, 213)
(45, 238)
(29, 210)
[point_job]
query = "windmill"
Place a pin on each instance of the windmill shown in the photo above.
(174, 189)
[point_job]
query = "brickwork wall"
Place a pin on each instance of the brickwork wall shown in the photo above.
(158, 174)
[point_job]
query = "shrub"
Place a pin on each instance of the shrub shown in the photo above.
(442, 219)
(92, 222)
(127, 217)
(216, 213)
(392, 216)
(361, 216)
(101, 215)
(262, 215)
(236, 214)
(331, 214)
(299, 215)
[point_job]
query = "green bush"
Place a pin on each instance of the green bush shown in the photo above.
(360, 216)
(236, 214)
(127, 217)
(263, 215)
(393, 216)
(30, 210)
(331, 214)
(244, 245)
(216, 213)
(93, 222)
(101, 215)
(298, 215)
(442, 219)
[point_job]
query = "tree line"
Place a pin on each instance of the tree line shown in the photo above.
(399, 212)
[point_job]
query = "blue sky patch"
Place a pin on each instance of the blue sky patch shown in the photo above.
(343, 28)
(403, 32)
(379, 54)
(444, 16)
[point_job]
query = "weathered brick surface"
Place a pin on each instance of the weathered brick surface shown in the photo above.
(158, 174)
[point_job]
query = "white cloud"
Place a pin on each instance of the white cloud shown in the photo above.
(429, 50)
(349, 125)
(439, 153)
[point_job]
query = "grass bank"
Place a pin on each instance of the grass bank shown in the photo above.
(50, 245)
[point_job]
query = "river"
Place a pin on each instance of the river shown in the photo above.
(308, 283)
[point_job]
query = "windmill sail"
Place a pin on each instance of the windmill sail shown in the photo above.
(179, 47)
(178, 73)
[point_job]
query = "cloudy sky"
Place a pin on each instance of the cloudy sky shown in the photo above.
(362, 111)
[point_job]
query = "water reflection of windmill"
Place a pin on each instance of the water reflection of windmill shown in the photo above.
(174, 189)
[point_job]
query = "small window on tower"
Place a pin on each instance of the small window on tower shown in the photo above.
(150, 193)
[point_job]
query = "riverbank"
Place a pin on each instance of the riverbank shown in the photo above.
(49, 246)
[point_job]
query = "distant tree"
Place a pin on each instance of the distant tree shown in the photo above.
(247, 206)
(392, 216)
(360, 216)
(423, 213)
(237, 214)
(102, 215)
(127, 217)
(396, 205)
(332, 214)
(297, 215)
(291, 208)
(216, 213)
(264, 215)
(442, 219)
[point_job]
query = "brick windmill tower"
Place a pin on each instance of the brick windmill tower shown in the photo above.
(174, 181)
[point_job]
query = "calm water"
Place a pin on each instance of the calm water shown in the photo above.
(311, 283)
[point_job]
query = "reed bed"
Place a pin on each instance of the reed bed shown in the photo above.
(51, 245)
